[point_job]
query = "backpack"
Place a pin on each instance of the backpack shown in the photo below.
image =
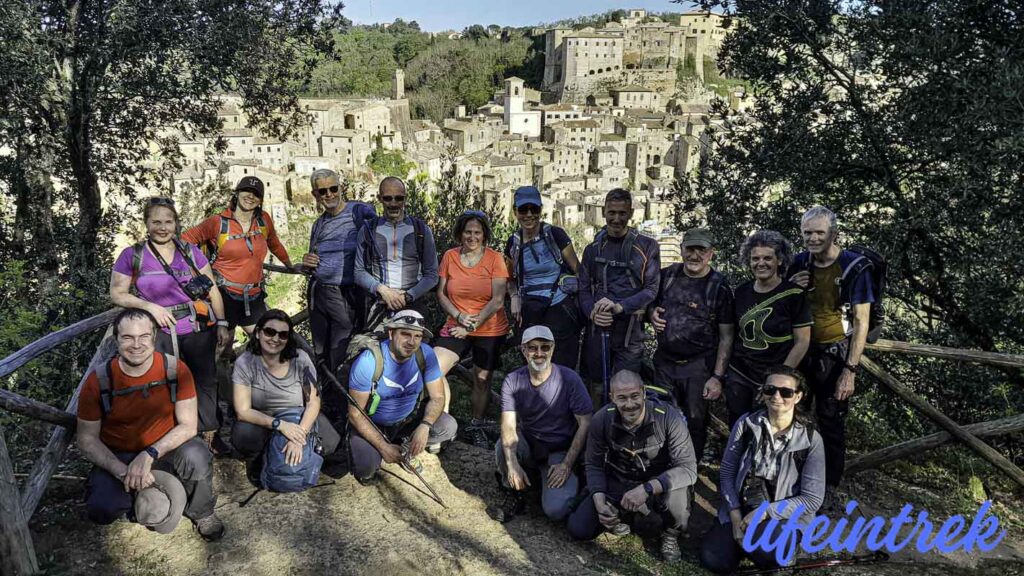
(859, 260)
(373, 342)
(623, 260)
(715, 281)
(224, 236)
(277, 474)
(107, 393)
(516, 249)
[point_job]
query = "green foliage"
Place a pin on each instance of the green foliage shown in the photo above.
(390, 163)
(915, 144)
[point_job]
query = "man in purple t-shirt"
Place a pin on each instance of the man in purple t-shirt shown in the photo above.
(545, 413)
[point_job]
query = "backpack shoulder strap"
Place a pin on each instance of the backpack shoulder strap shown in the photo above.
(186, 252)
(138, 250)
(103, 372)
(549, 238)
(171, 374)
(378, 366)
(421, 362)
(715, 282)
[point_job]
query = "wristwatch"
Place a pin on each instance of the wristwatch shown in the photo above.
(648, 488)
(852, 368)
(719, 377)
(222, 324)
(152, 452)
(275, 424)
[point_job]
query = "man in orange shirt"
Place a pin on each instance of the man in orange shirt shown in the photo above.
(137, 413)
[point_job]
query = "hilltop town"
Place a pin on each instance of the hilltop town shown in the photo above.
(608, 114)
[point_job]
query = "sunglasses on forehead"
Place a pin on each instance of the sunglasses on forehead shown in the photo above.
(768, 391)
(410, 320)
(477, 213)
(160, 201)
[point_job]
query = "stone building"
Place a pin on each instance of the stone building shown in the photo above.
(518, 120)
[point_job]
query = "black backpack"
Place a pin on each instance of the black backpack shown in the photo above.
(865, 261)
(715, 282)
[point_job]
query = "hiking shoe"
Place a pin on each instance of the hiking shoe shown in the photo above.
(253, 469)
(433, 448)
(514, 503)
(210, 528)
(670, 545)
(370, 480)
(620, 529)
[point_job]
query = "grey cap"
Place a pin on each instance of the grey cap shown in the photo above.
(538, 332)
(410, 320)
(160, 506)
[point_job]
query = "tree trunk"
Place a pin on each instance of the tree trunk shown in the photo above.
(33, 193)
(86, 183)
(17, 555)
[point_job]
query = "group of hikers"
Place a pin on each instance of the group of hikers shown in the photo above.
(577, 422)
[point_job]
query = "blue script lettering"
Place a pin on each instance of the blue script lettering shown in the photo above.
(782, 537)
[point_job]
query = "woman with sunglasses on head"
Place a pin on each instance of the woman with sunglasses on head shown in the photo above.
(772, 319)
(172, 280)
(240, 238)
(543, 264)
(273, 375)
(471, 291)
(773, 455)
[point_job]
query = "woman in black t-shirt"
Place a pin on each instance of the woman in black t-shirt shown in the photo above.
(772, 318)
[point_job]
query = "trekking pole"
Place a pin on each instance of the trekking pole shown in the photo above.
(871, 558)
(604, 365)
(334, 380)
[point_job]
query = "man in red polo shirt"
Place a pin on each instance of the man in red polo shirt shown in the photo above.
(136, 413)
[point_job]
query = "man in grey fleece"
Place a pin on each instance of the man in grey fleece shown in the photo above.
(396, 258)
(335, 302)
(629, 471)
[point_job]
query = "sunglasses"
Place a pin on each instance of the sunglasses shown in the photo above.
(271, 333)
(160, 201)
(410, 320)
(477, 213)
(392, 198)
(545, 348)
(769, 391)
(332, 189)
(528, 209)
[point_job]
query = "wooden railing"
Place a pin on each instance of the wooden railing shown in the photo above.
(17, 554)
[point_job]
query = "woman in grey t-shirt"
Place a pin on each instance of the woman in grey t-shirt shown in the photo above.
(270, 376)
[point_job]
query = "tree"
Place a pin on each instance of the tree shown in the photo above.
(904, 118)
(89, 90)
(390, 163)
(475, 32)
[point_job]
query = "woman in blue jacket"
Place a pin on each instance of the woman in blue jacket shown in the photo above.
(773, 455)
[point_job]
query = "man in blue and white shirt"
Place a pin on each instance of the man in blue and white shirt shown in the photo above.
(396, 258)
(406, 402)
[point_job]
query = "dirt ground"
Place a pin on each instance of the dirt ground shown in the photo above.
(394, 528)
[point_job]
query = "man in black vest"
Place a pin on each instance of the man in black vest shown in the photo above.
(639, 461)
(618, 279)
(693, 318)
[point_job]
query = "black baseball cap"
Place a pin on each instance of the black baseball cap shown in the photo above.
(250, 184)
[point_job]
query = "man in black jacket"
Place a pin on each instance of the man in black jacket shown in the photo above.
(630, 472)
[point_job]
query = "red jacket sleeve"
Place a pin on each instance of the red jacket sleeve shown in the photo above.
(206, 231)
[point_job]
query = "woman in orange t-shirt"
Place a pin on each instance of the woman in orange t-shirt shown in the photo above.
(472, 292)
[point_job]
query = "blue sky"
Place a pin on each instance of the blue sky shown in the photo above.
(436, 15)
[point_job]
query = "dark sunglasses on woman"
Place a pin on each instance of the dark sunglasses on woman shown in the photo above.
(528, 209)
(769, 391)
(271, 333)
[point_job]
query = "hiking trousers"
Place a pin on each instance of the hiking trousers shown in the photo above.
(366, 460)
(721, 554)
(199, 352)
(554, 501)
(685, 380)
(673, 507)
(822, 367)
(191, 463)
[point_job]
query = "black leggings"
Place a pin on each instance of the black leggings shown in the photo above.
(198, 351)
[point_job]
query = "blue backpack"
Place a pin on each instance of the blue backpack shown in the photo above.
(278, 475)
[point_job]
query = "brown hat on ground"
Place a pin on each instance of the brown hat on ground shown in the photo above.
(159, 507)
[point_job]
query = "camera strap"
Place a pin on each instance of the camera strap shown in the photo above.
(167, 267)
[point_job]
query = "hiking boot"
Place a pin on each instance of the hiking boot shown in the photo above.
(513, 504)
(477, 437)
(253, 469)
(210, 528)
(670, 545)
(620, 529)
(370, 480)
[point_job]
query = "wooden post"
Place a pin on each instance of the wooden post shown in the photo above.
(976, 356)
(916, 446)
(17, 555)
(972, 441)
(35, 409)
(61, 437)
(52, 340)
